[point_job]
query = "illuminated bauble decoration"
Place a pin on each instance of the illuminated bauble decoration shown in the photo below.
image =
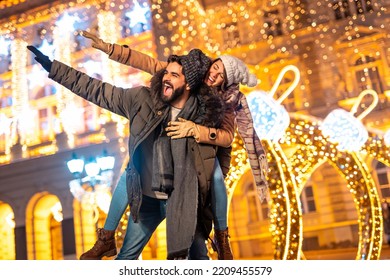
(386, 137)
(270, 118)
(345, 130)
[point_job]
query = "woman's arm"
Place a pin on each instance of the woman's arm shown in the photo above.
(222, 137)
(125, 55)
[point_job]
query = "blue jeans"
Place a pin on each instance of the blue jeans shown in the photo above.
(119, 201)
(130, 250)
(219, 198)
(118, 204)
(151, 214)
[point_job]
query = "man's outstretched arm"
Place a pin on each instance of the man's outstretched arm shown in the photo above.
(102, 94)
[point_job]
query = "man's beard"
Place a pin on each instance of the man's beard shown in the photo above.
(174, 96)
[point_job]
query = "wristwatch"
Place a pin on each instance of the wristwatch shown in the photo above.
(212, 133)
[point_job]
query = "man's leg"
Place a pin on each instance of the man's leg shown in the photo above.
(198, 249)
(152, 213)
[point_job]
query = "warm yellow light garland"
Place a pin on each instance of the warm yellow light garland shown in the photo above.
(305, 132)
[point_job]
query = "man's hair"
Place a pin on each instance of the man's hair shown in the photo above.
(174, 58)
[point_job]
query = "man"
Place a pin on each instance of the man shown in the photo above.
(152, 176)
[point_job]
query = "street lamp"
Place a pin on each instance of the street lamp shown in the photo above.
(94, 188)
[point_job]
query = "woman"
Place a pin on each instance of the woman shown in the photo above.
(224, 75)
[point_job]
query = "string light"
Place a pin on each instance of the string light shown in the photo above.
(314, 150)
(65, 99)
(20, 94)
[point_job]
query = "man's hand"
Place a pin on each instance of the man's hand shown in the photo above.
(181, 128)
(41, 58)
(97, 42)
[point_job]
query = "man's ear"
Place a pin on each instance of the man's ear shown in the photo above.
(188, 87)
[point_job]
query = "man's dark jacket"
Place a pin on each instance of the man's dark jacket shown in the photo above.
(144, 110)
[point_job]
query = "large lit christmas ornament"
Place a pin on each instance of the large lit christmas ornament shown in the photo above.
(344, 129)
(270, 118)
(386, 137)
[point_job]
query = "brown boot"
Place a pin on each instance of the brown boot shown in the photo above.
(222, 244)
(104, 247)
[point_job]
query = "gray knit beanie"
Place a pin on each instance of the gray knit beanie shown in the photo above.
(237, 72)
(195, 66)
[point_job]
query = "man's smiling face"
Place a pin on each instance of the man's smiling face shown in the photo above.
(173, 83)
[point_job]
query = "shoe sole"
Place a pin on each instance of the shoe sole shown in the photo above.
(110, 253)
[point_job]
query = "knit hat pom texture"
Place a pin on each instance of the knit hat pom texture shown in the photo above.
(237, 72)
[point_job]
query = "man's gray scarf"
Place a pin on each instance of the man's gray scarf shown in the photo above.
(174, 173)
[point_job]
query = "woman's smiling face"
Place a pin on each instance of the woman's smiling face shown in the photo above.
(216, 74)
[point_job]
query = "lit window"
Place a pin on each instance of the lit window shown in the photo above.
(383, 175)
(307, 200)
(345, 8)
(272, 23)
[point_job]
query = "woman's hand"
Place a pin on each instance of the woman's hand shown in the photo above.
(181, 128)
(97, 42)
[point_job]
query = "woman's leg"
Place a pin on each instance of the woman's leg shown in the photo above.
(118, 204)
(219, 207)
(105, 246)
(219, 198)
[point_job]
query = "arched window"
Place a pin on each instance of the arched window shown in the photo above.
(7, 232)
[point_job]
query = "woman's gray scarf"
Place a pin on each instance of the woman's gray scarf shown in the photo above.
(174, 173)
